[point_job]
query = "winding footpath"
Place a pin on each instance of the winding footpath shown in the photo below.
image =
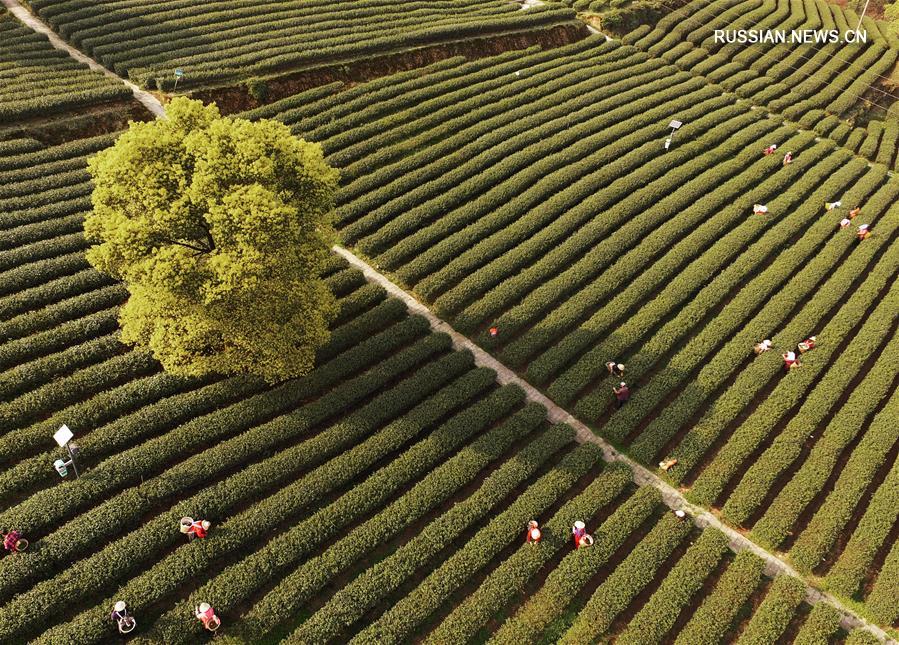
(642, 475)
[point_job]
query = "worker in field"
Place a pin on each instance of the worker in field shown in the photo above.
(206, 615)
(615, 369)
(788, 158)
(759, 209)
(770, 149)
(762, 347)
(494, 332)
(578, 531)
(807, 345)
(122, 619)
(790, 361)
(13, 541)
(864, 232)
(195, 528)
(668, 464)
(533, 535)
(829, 206)
(679, 514)
(622, 393)
(845, 222)
(855, 212)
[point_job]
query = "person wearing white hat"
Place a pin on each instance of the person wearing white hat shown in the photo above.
(762, 347)
(808, 344)
(790, 360)
(863, 232)
(770, 149)
(845, 222)
(206, 615)
(615, 369)
(533, 532)
(121, 618)
(829, 206)
(194, 528)
(578, 531)
(680, 514)
(759, 209)
(622, 393)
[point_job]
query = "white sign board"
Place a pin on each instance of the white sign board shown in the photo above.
(63, 436)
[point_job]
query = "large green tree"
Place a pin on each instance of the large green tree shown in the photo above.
(219, 228)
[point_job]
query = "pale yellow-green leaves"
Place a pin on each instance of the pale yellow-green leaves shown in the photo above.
(219, 228)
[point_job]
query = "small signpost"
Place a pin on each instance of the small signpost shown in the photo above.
(674, 125)
(63, 438)
(178, 74)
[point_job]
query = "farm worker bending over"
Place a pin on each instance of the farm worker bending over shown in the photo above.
(622, 393)
(762, 347)
(844, 223)
(615, 369)
(807, 344)
(12, 541)
(494, 331)
(788, 159)
(206, 615)
(790, 360)
(120, 617)
(533, 534)
(855, 212)
(578, 531)
(863, 232)
(680, 514)
(195, 528)
(759, 209)
(668, 464)
(829, 206)
(770, 149)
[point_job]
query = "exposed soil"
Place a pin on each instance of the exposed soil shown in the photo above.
(92, 121)
(238, 98)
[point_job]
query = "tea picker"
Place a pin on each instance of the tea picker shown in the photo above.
(13, 541)
(533, 533)
(206, 615)
(123, 620)
(580, 535)
(194, 528)
(615, 369)
(770, 149)
(759, 209)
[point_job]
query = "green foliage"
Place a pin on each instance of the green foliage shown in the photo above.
(220, 229)
(770, 619)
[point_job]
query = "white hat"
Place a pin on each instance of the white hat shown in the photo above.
(680, 513)
(863, 227)
(791, 356)
(623, 384)
(204, 607)
(767, 341)
(533, 523)
(620, 366)
(579, 525)
(812, 338)
(120, 605)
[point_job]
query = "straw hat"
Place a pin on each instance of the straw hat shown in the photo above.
(532, 524)
(120, 605)
(204, 607)
(621, 367)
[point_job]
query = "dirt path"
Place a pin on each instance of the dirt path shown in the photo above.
(35, 24)
(642, 476)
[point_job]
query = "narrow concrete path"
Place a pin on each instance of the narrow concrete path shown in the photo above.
(673, 498)
(35, 24)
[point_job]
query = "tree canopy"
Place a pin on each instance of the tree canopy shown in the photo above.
(219, 227)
